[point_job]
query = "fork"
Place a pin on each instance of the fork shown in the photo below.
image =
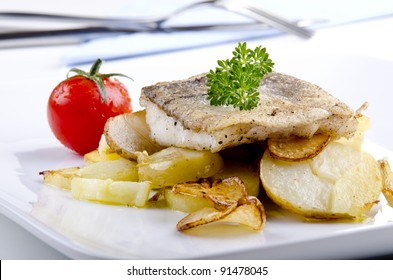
(261, 15)
(156, 23)
(145, 23)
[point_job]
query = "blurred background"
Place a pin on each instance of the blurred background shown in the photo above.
(92, 36)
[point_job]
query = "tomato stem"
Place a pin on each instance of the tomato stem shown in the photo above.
(95, 67)
(96, 77)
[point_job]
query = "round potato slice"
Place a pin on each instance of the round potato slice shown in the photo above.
(341, 182)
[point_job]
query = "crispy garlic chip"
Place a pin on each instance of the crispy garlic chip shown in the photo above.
(299, 149)
(387, 176)
(230, 204)
(296, 148)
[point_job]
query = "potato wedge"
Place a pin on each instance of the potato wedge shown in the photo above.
(127, 134)
(296, 148)
(60, 178)
(341, 182)
(120, 169)
(111, 192)
(172, 165)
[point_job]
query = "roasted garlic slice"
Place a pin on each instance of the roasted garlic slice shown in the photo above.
(223, 200)
(387, 176)
(296, 148)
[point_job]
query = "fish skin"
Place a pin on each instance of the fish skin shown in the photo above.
(288, 106)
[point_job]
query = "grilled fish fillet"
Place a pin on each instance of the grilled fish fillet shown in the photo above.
(179, 113)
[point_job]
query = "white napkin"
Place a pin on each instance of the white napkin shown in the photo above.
(326, 13)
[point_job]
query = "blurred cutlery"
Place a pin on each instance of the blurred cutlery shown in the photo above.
(149, 24)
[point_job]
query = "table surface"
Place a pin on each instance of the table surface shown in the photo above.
(367, 37)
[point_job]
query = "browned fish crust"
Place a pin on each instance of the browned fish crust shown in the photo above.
(288, 106)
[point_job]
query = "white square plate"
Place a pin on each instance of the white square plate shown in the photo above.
(89, 230)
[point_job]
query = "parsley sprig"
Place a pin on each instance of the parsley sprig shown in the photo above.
(236, 81)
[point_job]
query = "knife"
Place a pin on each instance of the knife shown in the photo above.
(28, 38)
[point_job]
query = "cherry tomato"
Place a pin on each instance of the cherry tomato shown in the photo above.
(79, 107)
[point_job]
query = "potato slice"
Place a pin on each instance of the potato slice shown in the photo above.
(341, 182)
(112, 192)
(120, 169)
(60, 178)
(129, 133)
(296, 148)
(387, 175)
(177, 165)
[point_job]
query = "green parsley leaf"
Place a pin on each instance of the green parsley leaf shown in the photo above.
(236, 81)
